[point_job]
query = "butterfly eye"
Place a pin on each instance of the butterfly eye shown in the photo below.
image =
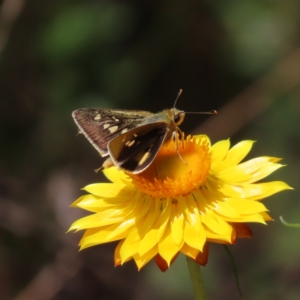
(178, 118)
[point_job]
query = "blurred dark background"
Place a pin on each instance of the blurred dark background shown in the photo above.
(239, 57)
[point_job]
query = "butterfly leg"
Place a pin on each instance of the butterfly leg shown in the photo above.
(181, 133)
(175, 137)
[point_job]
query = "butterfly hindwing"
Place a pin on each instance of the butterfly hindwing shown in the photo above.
(135, 150)
(102, 125)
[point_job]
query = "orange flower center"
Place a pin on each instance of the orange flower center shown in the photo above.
(179, 168)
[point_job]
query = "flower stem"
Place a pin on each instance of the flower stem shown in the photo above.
(196, 278)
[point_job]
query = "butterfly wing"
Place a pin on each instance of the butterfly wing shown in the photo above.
(102, 125)
(136, 149)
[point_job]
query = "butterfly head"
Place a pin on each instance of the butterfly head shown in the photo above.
(177, 116)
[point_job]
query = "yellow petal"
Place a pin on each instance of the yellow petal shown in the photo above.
(142, 260)
(95, 236)
(235, 155)
(193, 238)
(167, 247)
(219, 151)
(145, 224)
(215, 224)
(219, 238)
(143, 219)
(110, 190)
(85, 200)
(122, 230)
(253, 218)
(265, 171)
(116, 176)
(201, 199)
(153, 235)
(245, 172)
(189, 251)
(227, 210)
(246, 207)
(98, 204)
(266, 216)
(271, 188)
(117, 257)
(177, 221)
(107, 217)
(253, 191)
(239, 151)
(192, 213)
(129, 248)
(135, 236)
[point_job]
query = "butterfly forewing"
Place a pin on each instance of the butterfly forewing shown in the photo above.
(102, 125)
(135, 150)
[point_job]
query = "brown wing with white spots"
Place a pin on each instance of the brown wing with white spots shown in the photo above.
(102, 125)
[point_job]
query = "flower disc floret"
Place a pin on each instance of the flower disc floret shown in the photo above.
(178, 169)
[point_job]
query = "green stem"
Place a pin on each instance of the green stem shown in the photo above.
(289, 224)
(196, 278)
(235, 271)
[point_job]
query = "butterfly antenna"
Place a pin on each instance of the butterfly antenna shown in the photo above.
(179, 94)
(212, 112)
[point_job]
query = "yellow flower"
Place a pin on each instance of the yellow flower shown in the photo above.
(179, 204)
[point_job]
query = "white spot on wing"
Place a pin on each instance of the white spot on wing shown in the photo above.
(98, 117)
(113, 129)
(130, 143)
(124, 130)
(105, 126)
(143, 159)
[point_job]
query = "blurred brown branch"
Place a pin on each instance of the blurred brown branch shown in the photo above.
(9, 12)
(246, 106)
(50, 280)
